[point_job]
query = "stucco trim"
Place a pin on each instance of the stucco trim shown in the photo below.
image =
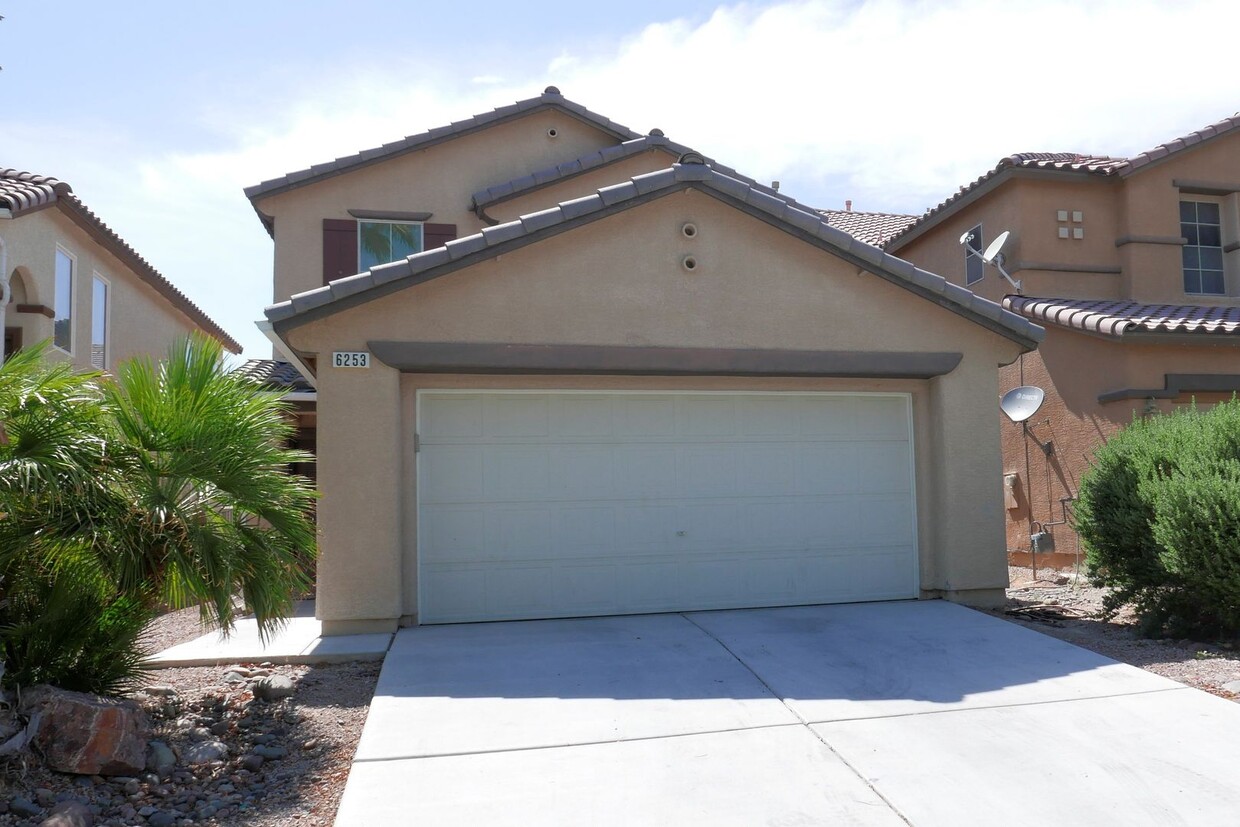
(1178, 384)
(390, 215)
(503, 358)
(1196, 187)
(1173, 240)
(1053, 267)
(42, 309)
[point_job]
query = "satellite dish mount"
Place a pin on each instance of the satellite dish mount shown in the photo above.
(994, 256)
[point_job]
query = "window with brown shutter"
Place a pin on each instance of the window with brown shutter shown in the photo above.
(437, 235)
(339, 248)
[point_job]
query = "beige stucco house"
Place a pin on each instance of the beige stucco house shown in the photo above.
(73, 280)
(1133, 267)
(632, 381)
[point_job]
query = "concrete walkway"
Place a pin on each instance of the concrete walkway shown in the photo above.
(300, 641)
(922, 713)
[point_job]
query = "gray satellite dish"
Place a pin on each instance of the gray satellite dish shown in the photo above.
(995, 250)
(1021, 403)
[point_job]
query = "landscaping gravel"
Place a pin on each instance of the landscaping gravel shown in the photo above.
(264, 763)
(1207, 666)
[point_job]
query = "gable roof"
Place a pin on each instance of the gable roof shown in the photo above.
(1119, 319)
(606, 156)
(1059, 162)
(692, 172)
(549, 99)
(26, 192)
(871, 227)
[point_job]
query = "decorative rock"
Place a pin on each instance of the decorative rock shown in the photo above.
(270, 751)
(252, 762)
(264, 738)
(69, 814)
(45, 797)
(234, 677)
(161, 819)
(160, 690)
(160, 759)
(86, 734)
(1233, 686)
(200, 733)
(24, 806)
(131, 786)
(273, 688)
(204, 752)
(311, 744)
(219, 728)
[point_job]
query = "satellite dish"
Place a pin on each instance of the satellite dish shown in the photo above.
(996, 247)
(1021, 403)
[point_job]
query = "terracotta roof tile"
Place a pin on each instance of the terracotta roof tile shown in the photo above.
(1162, 150)
(1119, 318)
(871, 227)
(274, 374)
(23, 192)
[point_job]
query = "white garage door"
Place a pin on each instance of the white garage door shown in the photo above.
(534, 505)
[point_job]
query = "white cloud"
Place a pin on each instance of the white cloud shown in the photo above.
(892, 103)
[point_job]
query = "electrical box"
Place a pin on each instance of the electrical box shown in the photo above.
(1011, 487)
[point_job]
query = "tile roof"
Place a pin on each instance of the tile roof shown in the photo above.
(1109, 317)
(275, 374)
(1072, 162)
(691, 172)
(24, 192)
(549, 99)
(871, 227)
(595, 160)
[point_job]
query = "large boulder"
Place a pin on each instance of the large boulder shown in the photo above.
(87, 734)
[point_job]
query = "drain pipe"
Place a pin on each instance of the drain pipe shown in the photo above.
(6, 290)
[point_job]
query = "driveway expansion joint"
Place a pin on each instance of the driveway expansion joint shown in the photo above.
(804, 722)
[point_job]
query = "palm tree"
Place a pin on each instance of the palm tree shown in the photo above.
(166, 485)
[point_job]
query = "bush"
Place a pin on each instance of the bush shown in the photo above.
(1159, 518)
(165, 486)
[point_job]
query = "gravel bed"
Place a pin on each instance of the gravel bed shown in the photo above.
(308, 740)
(1206, 666)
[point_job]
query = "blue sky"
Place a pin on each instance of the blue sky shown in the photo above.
(159, 113)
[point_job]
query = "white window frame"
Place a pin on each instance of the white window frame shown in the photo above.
(73, 273)
(972, 254)
(361, 221)
(107, 317)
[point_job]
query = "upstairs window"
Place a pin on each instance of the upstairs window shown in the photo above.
(1201, 225)
(99, 325)
(974, 267)
(62, 324)
(380, 242)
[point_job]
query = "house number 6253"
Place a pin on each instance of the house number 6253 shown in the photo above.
(350, 359)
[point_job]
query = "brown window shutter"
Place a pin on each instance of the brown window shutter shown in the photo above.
(437, 235)
(339, 248)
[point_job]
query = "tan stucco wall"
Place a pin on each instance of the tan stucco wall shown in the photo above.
(1074, 369)
(619, 281)
(141, 321)
(439, 179)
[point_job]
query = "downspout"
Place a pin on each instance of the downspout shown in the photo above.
(6, 291)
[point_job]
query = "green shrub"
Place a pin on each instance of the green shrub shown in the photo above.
(1159, 518)
(165, 486)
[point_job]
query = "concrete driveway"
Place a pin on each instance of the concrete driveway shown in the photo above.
(922, 713)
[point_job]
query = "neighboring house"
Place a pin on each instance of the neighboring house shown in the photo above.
(74, 281)
(1133, 267)
(635, 381)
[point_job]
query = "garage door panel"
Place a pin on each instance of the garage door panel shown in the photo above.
(576, 504)
(458, 474)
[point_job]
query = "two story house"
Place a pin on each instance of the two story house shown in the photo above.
(68, 277)
(1133, 267)
(560, 368)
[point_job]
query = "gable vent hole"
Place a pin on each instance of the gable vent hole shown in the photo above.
(690, 263)
(553, 132)
(689, 229)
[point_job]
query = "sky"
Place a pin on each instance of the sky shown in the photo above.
(159, 114)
